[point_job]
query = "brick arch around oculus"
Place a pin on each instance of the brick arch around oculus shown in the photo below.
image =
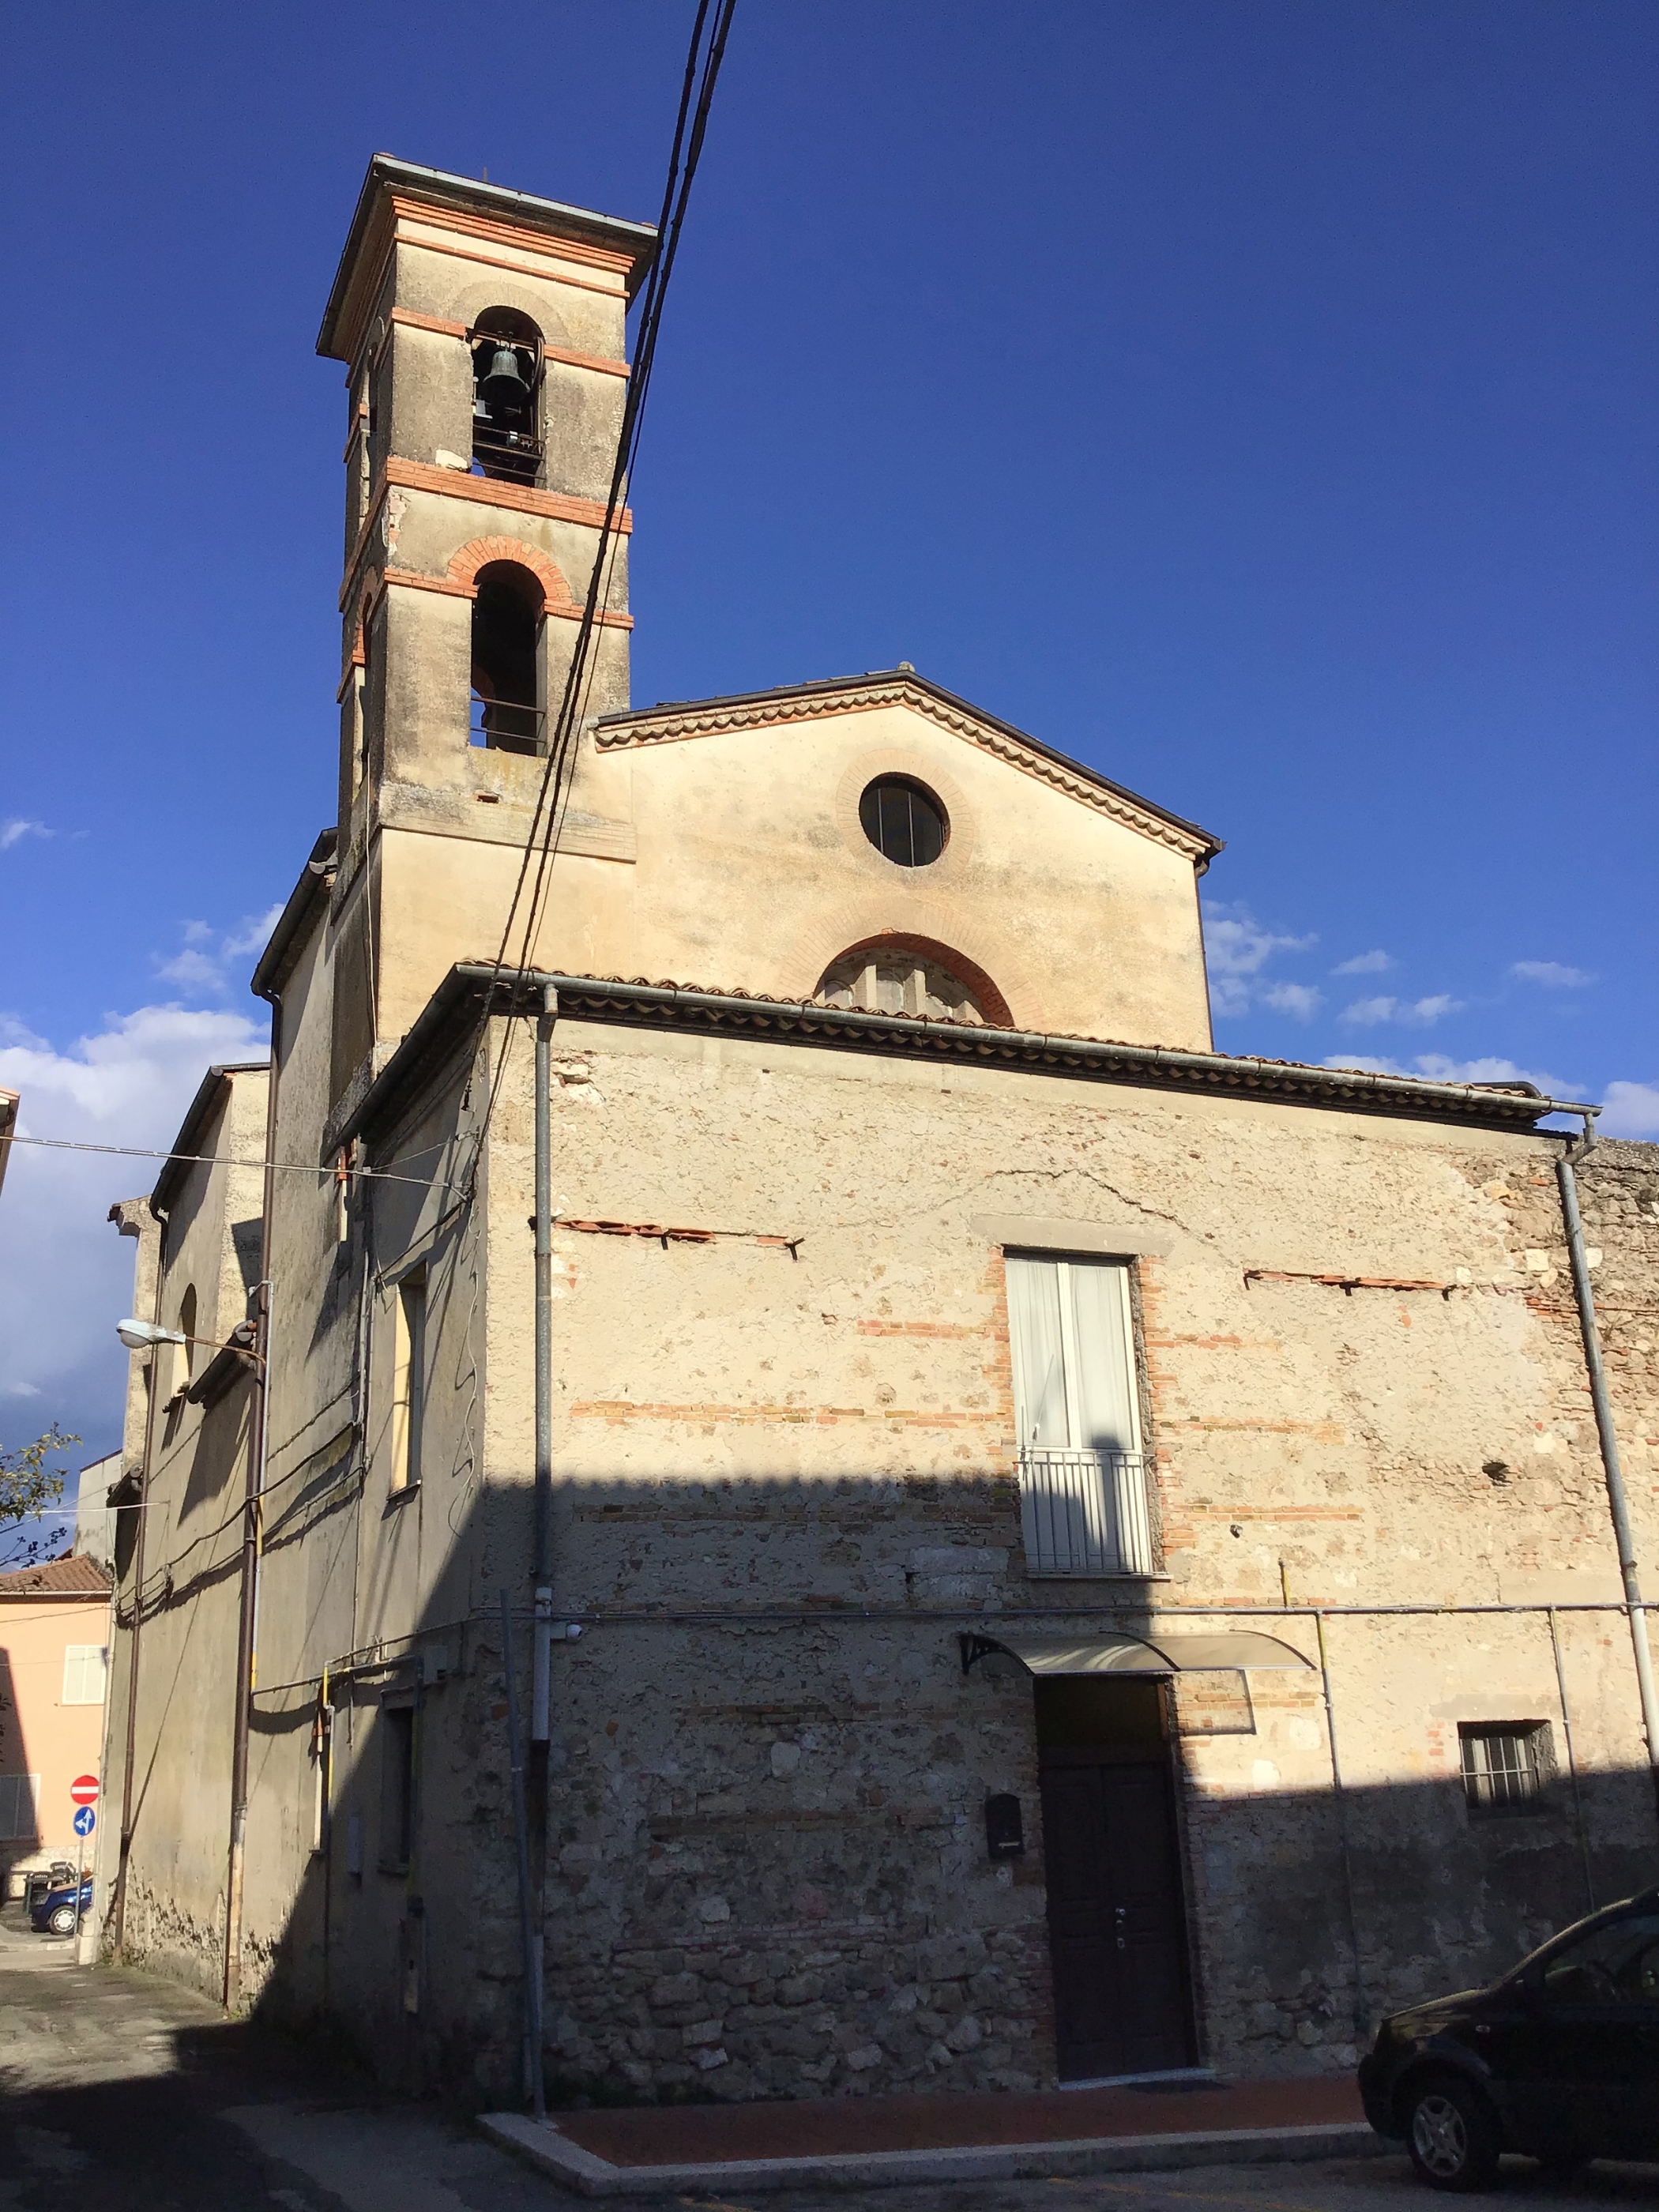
(479, 552)
(966, 969)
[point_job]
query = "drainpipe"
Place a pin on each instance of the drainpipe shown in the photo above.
(542, 1568)
(1602, 1402)
(120, 1914)
(248, 1614)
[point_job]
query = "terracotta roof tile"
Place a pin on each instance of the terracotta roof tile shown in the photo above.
(71, 1577)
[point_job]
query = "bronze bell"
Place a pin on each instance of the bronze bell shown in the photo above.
(503, 385)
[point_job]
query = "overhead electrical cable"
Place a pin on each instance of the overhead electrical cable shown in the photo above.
(703, 58)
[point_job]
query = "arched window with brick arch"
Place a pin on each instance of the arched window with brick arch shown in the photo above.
(507, 397)
(508, 668)
(896, 974)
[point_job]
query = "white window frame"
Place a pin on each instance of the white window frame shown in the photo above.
(1083, 1503)
(78, 1657)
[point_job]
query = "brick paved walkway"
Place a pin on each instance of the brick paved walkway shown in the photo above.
(844, 2126)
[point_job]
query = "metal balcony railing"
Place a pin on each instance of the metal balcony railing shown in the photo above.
(510, 455)
(508, 728)
(1085, 1512)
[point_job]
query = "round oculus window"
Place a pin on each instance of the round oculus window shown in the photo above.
(903, 820)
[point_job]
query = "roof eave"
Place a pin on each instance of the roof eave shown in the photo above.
(186, 1146)
(387, 173)
(473, 988)
(292, 922)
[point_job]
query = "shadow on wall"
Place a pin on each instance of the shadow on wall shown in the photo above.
(19, 1823)
(758, 1833)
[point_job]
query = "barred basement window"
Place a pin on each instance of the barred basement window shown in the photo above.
(19, 1797)
(1506, 1765)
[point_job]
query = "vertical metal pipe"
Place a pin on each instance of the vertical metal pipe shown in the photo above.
(247, 1613)
(539, 1699)
(154, 1373)
(1611, 1469)
(1361, 2020)
(532, 1991)
(1572, 1762)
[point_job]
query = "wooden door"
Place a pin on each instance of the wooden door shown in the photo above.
(1116, 1930)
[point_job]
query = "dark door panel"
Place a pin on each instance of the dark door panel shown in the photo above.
(1115, 1920)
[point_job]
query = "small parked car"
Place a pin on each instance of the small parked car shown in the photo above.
(55, 1913)
(1559, 2060)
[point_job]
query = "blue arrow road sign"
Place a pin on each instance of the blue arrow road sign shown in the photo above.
(85, 1821)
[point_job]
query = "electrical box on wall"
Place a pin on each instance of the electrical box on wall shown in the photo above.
(1005, 1831)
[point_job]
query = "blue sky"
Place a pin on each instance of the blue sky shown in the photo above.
(1256, 401)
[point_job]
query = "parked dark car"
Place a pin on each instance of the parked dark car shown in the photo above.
(1559, 2060)
(54, 1914)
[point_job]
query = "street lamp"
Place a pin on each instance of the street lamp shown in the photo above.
(142, 1335)
(145, 1335)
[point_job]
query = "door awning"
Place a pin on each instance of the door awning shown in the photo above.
(1235, 1650)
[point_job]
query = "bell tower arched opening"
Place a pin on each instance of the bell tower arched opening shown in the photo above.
(507, 702)
(507, 390)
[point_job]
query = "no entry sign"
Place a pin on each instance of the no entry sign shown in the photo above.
(84, 1790)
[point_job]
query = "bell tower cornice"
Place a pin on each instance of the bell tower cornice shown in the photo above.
(516, 233)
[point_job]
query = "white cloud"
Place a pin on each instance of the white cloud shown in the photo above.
(65, 1274)
(1551, 974)
(204, 973)
(13, 831)
(192, 970)
(253, 935)
(1439, 1067)
(1301, 1000)
(1236, 949)
(1365, 964)
(1630, 1109)
(1418, 1013)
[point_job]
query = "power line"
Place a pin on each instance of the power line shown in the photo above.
(702, 66)
(212, 1159)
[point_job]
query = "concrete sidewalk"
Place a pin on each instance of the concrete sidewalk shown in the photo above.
(849, 2143)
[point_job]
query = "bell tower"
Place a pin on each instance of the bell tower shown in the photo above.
(482, 335)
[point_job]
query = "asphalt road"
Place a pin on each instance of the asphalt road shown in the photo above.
(121, 2092)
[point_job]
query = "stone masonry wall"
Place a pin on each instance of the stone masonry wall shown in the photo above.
(766, 1871)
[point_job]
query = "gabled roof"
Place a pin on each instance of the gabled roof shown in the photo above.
(295, 917)
(672, 719)
(72, 1577)
(188, 1145)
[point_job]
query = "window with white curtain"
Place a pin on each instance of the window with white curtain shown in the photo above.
(1083, 1492)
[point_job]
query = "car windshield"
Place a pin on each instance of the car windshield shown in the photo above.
(1610, 1956)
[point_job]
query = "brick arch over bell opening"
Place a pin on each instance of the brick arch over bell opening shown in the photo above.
(889, 942)
(479, 552)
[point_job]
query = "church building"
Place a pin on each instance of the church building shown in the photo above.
(1060, 1553)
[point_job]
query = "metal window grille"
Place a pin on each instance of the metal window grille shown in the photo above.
(1085, 1512)
(1501, 1770)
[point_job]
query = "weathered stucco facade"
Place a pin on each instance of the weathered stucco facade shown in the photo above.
(794, 1558)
